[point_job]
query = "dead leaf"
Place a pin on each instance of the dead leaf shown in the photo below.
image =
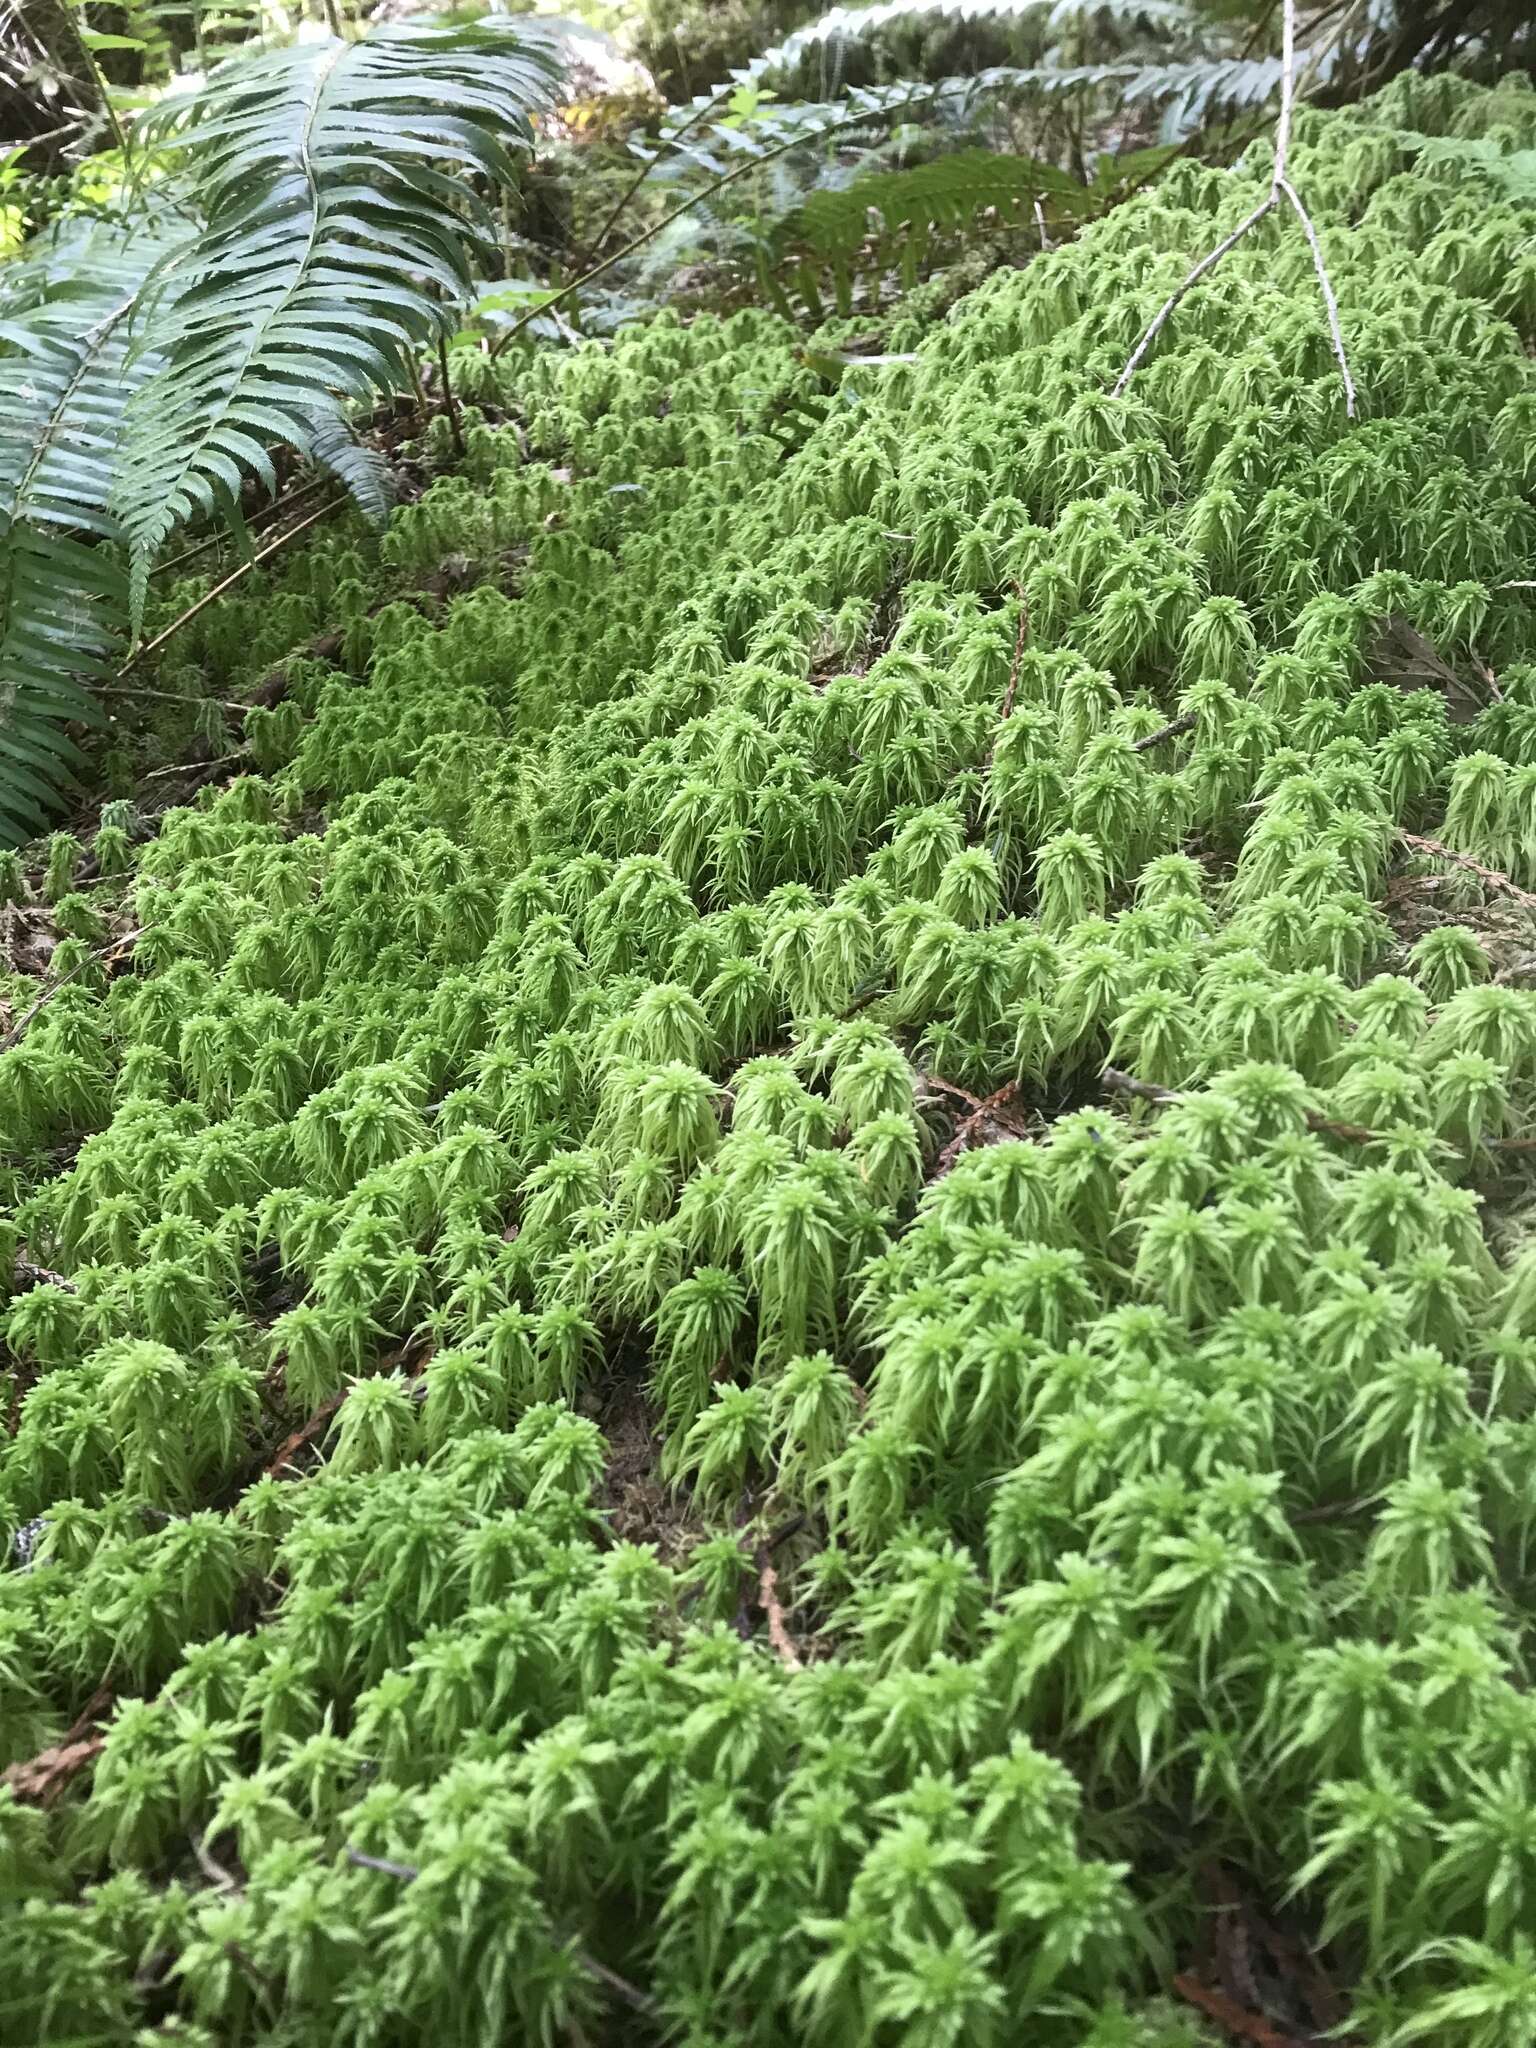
(40, 1780)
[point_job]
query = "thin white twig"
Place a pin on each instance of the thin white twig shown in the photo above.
(1280, 188)
(1159, 320)
(1325, 286)
(1287, 87)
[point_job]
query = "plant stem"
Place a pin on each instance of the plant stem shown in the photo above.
(450, 403)
(698, 114)
(94, 74)
(649, 234)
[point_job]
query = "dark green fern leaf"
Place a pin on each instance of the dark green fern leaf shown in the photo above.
(359, 468)
(67, 373)
(335, 238)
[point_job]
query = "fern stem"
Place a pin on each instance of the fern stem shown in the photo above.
(209, 596)
(94, 74)
(742, 170)
(698, 114)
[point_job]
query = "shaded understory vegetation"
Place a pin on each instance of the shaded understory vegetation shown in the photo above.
(771, 1283)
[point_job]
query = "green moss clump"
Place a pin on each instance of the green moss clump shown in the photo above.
(663, 973)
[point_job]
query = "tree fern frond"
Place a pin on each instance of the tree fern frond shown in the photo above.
(334, 235)
(67, 374)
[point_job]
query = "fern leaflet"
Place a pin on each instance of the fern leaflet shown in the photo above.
(334, 236)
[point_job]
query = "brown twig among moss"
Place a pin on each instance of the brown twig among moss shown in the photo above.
(1494, 877)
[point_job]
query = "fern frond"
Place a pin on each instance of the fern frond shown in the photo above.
(334, 237)
(887, 217)
(67, 374)
(361, 470)
(864, 24)
(1512, 171)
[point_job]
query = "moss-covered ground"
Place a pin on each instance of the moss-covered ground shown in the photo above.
(772, 1288)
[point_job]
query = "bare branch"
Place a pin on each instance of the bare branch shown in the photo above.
(1280, 188)
(1325, 286)
(1160, 318)
(1185, 722)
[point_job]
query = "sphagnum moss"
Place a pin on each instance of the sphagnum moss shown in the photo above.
(567, 1003)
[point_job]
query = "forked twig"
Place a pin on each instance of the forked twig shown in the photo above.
(1325, 286)
(1280, 187)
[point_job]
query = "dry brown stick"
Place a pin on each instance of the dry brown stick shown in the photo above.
(27, 1275)
(206, 769)
(1488, 676)
(177, 697)
(43, 1776)
(13, 1036)
(265, 515)
(1227, 2013)
(208, 597)
(1279, 188)
(773, 1607)
(1494, 877)
(304, 1435)
(1325, 1126)
(1185, 722)
(1019, 640)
